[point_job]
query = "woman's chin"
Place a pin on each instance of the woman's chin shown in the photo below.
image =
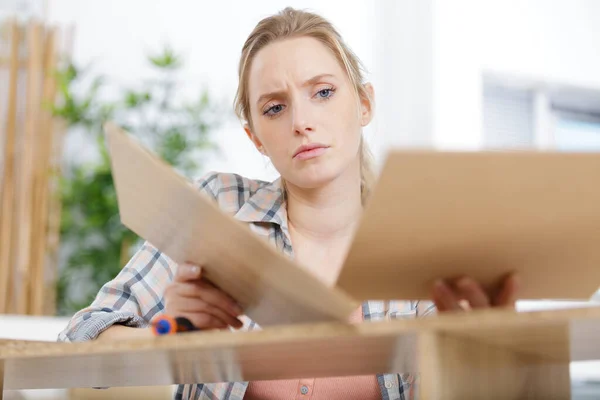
(314, 179)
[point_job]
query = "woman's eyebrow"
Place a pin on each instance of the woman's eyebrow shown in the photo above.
(317, 79)
(280, 93)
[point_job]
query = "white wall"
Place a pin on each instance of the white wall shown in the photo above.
(21, 8)
(427, 56)
(554, 41)
(404, 67)
(22, 327)
(116, 35)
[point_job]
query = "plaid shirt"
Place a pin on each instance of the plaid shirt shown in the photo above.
(135, 295)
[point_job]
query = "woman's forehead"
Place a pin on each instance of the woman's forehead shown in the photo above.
(291, 61)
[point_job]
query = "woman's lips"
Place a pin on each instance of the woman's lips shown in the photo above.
(310, 153)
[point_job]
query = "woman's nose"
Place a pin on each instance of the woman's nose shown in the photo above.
(301, 123)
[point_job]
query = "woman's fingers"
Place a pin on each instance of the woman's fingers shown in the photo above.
(210, 294)
(187, 272)
(204, 321)
(192, 285)
(444, 298)
(472, 292)
(198, 300)
(218, 298)
(466, 290)
(509, 293)
(208, 316)
(200, 307)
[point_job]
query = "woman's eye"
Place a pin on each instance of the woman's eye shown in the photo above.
(325, 93)
(276, 109)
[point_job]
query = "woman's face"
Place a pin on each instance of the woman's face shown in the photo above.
(304, 112)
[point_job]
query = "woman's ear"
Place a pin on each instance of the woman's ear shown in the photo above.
(254, 139)
(367, 105)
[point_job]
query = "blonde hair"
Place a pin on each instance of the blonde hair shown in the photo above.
(291, 23)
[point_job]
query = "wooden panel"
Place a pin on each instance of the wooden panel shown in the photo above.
(551, 341)
(559, 335)
(454, 368)
(164, 208)
(129, 393)
(290, 351)
(443, 215)
(275, 353)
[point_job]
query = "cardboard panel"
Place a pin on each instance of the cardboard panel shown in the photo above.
(165, 209)
(443, 215)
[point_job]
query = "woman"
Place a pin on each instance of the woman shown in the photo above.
(303, 102)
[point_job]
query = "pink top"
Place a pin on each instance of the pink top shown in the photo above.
(342, 388)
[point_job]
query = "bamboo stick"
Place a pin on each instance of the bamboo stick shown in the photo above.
(34, 74)
(29, 201)
(7, 62)
(54, 217)
(49, 94)
(54, 195)
(7, 195)
(55, 204)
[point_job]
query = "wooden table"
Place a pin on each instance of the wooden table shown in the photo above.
(484, 354)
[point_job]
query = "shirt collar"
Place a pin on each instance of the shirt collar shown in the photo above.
(267, 204)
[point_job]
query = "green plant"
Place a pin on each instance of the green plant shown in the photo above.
(95, 245)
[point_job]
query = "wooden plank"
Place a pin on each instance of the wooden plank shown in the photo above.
(130, 393)
(8, 185)
(255, 355)
(443, 215)
(284, 352)
(165, 209)
(40, 239)
(454, 368)
(25, 218)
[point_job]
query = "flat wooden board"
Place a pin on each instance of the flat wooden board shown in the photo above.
(442, 215)
(286, 352)
(162, 207)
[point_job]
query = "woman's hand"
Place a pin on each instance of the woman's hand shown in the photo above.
(465, 293)
(195, 298)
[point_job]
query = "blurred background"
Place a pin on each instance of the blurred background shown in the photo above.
(448, 75)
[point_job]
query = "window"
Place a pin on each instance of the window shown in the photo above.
(577, 133)
(535, 115)
(507, 117)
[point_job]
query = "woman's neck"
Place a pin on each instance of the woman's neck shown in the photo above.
(327, 213)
